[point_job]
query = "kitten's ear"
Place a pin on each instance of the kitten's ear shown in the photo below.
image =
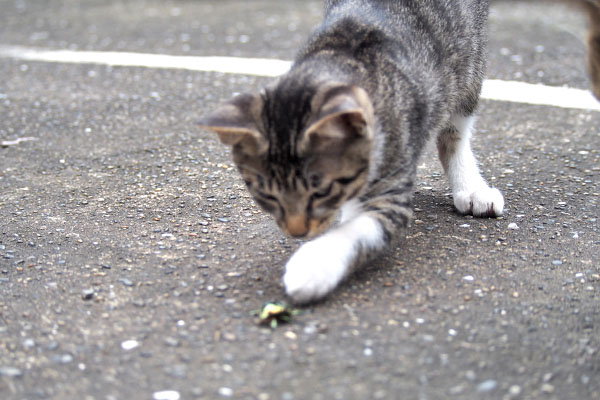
(342, 113)
(236, 123)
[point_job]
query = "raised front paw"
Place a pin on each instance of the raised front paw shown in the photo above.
(315, 270)
(486, 202)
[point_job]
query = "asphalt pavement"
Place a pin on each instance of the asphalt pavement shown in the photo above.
(131, 255)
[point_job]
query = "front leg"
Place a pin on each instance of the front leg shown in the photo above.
(366, 228)
(320, 265)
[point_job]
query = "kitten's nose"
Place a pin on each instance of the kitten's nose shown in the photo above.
(296, 225)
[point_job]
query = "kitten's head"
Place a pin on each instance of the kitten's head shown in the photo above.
(302, 152)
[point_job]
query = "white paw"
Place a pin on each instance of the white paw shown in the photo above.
(486, 202)
(316, 269)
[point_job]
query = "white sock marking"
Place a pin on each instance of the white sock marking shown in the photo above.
(320, 265)
(471, 193)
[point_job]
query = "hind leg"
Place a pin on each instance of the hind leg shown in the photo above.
(471, 193)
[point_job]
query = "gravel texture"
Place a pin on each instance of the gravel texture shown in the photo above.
(131, 255)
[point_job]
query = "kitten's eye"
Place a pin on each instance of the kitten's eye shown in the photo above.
(268, 202)
(268, 207)
(349, 179)
(269, 197)
(323, 193)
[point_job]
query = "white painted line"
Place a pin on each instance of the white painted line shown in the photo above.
(509, 91)
(229, 65)
(522, 92)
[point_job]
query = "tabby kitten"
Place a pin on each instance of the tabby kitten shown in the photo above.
(342, 131)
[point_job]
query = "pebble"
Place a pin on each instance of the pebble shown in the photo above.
(470, 375)
(62, 358)
(166, 395)
(139, 303)
(290, 335)
(487, 386)
(10, 372)
(129, 344)
(176, 371)
(52, 345)
(513, 226)
(556, 262)
(547, 388)
(312, 328)
(227, 368)
(126, 282)
(225, 392)
(468, 278)
(87, 294)
(515, 390)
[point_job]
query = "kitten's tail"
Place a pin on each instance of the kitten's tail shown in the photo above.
(593, 9)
